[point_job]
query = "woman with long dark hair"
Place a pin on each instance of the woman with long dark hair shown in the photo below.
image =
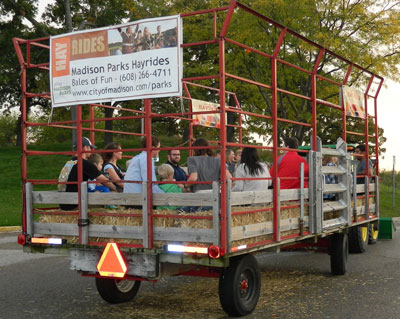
(251, 167)
(111, 168)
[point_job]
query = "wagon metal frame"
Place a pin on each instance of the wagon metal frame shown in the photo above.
(85, 254)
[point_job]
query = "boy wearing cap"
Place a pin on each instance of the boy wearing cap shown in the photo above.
(89, 171)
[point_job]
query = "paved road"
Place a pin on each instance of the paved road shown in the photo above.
(294, 285)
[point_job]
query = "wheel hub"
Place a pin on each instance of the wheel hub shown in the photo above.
(244, 285)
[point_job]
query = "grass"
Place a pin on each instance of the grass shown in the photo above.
(48, 167)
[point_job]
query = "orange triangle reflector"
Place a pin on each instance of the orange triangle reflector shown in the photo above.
(111, 263)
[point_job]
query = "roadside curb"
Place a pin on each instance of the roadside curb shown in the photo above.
(9, 229)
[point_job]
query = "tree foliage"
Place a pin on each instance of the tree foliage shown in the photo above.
(366, 32)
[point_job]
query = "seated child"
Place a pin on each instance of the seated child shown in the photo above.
(166, 173)
(97, 160)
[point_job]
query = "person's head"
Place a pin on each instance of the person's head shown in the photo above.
(86, 147)
(128, 30)
(251, 160)
(109, 156)
(292, 142)
(166, 172)
(230, 156)
(174, 156)
(238, 155)
(97, 160)
(155, 142)
(146, 32)
(159, 29)
(202, 151)
(360, 149)
(326, 159)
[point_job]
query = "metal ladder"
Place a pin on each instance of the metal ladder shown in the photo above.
(342, 204)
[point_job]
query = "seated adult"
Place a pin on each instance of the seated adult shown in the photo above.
(110, 166)
(203, 166)
(89, 172)
(174, 157)
(230, 161)
(289, 166)
(361, 166)
(137, 169)
(251, 167)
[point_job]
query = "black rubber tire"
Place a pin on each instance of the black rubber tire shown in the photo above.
(239, 286)
(373, 231)
(358, 238)
(339, 250)
(117, 291)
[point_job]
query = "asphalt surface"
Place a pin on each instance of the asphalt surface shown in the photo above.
(294, 285)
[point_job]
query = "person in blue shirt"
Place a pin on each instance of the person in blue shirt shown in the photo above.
(137, 169)
(174, 157)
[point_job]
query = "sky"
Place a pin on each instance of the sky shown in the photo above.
(388, 116)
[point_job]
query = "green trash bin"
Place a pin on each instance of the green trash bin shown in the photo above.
(386, 228)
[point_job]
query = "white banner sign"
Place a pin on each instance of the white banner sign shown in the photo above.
(141, 59)
(209, 120)
(353, 102)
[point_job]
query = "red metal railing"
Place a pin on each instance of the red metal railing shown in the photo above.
(219, 37)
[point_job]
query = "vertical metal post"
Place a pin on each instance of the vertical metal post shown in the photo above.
(377, 210)
(278, 216)
(344, 129)
(79, 163)
(84, 214)
(301, 219)
(222, 134)
(394, 182)
(366, 197)
(91, 115)
(149, 134)
(275, 142)
(314, 97)
(24, 164)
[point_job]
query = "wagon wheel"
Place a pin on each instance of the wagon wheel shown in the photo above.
(339, 250)
(358, 238)
(373, 233)
(239, 286)
(117, 291)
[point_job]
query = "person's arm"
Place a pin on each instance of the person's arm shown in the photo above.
(114, 177)
(106, 182)
(238, 187)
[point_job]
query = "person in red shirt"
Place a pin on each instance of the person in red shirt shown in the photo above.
(289, 166)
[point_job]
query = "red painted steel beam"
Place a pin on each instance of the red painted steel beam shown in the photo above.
(222, 134)
(149, 134)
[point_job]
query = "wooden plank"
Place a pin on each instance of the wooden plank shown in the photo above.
(336, 170)
(84, 213)
(266, 228)
(360, 188)
(174, 234)
(360, 210)
(334, 222)
(216, 209)
(29, 209)
(333, 206)
(53, 197)
(58, 229)
(334, 188)
(172, 199)
(141, 265)
(116, 231)
(332, 152)
(261, 197)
